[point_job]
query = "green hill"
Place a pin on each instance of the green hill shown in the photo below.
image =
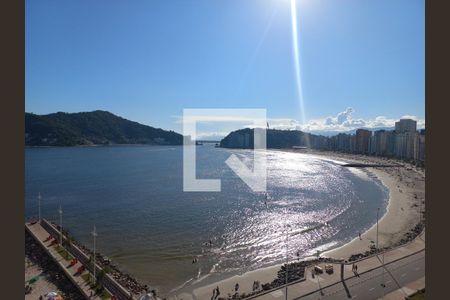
(92, 128)
(276, 139)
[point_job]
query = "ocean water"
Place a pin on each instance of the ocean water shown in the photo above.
(153, 230)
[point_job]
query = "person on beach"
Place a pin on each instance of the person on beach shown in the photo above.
(213, 295)
(355, 269)
(217, 292)
(236, 287)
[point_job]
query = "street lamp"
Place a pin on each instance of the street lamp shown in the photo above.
(94, 234)
(382, 276)
(287, 257)
(60, 224)
(378, 212)
(382, 261)
(287, 226)
(320, 288)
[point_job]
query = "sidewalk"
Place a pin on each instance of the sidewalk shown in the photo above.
(40, 234)
(409, 289)
(364, 265)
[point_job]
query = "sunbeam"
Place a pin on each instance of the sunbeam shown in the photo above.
(297, 64)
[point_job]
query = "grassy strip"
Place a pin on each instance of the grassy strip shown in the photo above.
(63, 252)
(104, 294)
(86, 277)
(420, 295)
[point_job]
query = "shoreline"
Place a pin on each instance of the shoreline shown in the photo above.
(96, 145)
(400, 217)
(406, 190)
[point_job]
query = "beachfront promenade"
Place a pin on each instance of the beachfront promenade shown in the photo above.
(41, 231)
(400, 278)
(40, 235)
(403, 274)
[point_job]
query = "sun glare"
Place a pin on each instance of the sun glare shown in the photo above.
(296, 55)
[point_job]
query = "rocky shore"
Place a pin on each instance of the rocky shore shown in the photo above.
(408, 237)
(126, 280)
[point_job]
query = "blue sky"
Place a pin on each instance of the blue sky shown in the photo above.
(147, 60)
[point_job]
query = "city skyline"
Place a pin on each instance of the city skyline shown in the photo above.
(361, 64)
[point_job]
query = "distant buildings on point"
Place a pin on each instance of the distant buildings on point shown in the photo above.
(405, 142)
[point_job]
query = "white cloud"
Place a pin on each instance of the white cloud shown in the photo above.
(341, 122)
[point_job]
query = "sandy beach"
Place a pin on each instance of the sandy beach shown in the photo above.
(406, 192)
(406, 186)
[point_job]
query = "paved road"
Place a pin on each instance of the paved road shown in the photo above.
(368, 286)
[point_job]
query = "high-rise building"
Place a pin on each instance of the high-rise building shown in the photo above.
(390, 147)
(352, 143)
(400, 145)
(411, 138)
(405, 125)
(405, 144)
(343, 142)
(419, 147)
(362, 140)
(373, 145)
(381, 140)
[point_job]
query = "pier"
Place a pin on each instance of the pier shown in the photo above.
(79, 273)
(362, 165)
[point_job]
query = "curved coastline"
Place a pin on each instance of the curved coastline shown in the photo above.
(401, 215)
(406, 191)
